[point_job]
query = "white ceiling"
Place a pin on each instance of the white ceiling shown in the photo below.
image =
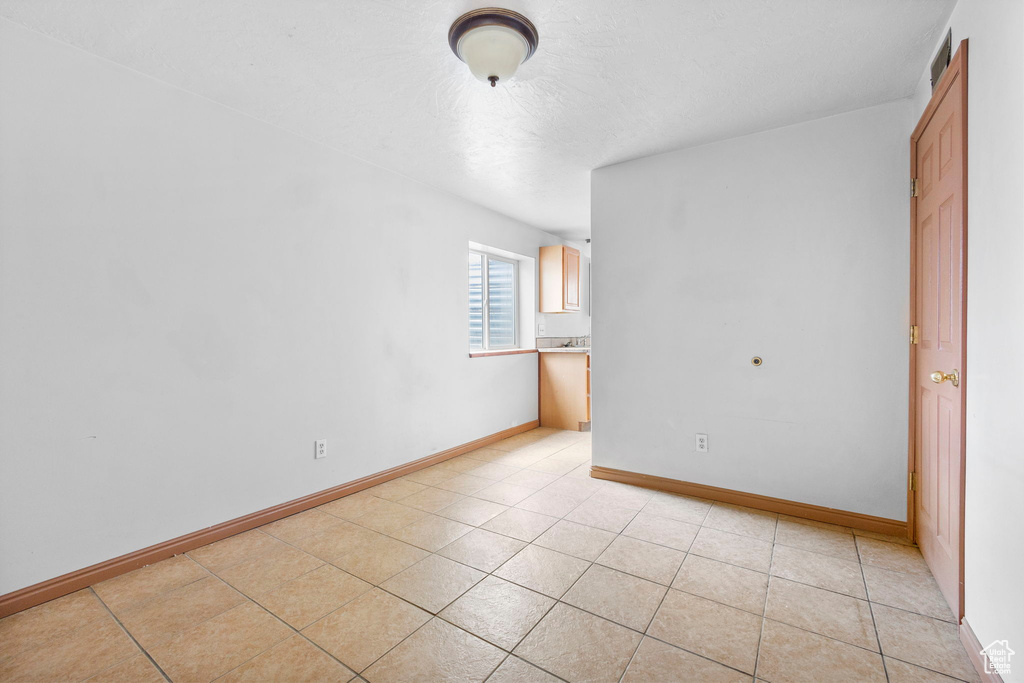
(612, 79)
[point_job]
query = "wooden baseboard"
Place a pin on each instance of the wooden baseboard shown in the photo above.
(855, 520)
(45, 591)
(973, 647)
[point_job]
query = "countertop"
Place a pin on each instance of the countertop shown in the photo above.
(566, 349)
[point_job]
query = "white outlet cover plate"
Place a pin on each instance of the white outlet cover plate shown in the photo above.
(321, 449)
(702, 443)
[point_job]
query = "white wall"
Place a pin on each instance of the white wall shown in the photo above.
(792, 245)
(191, 297)
(994, 543)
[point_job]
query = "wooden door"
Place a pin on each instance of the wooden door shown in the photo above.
(570, 279)
(938, 153)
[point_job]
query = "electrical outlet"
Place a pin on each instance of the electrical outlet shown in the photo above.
(540, 329)
(702, 443)
(321, 449)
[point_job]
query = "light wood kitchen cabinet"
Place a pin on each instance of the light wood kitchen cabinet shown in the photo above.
(559, 279)
(565, 390)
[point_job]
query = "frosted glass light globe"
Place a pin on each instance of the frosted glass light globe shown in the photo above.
(493, 42)
(493, 53)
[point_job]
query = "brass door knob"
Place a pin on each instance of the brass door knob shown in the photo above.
(939, 377)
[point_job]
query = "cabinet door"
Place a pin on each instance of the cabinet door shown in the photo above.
(570, 279)
(563, 390)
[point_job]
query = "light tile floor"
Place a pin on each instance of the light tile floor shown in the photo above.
(508, 564)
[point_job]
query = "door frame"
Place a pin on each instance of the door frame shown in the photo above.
(957, 69)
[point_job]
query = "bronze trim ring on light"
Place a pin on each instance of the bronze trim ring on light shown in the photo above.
(493, 16)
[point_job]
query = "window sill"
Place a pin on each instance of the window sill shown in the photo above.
(503, 352)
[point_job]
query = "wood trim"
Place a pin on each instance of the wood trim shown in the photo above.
(510, 352)
(818, 513)
(912, 386)
(973, 646)
(45, 591)
(957, 69)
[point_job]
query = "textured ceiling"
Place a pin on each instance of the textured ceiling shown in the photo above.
(612, 79)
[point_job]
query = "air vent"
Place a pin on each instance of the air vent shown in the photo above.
(941, 60)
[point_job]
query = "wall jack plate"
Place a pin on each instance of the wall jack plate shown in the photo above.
(702, 443)
(321, 449)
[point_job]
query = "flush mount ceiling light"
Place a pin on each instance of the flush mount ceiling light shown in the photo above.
(493, 42)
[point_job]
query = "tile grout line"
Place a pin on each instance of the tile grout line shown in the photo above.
(654, 615)
(500, 664)
(767, 594)
(262, 607)
(632, 655)
(871, 611)
(559, 600)
(870, 604)
(558, 518)
(209, 574)
(246, 599)
(921, 666)
(643, 634)
(532, 628)
(294, 633)
(150, 599)
(412, 633)
(432, 615)
(760, 639)
(143, 650)
(796, 580)
(670, 588)
(764, 612)
(486, 574)
(874, 623)
(511, 653)
(592, 562)
(480, 526)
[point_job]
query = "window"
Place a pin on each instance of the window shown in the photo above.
(493, 309)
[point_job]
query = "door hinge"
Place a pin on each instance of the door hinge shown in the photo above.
(913, 187)
(913, 481)
(915, 334)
